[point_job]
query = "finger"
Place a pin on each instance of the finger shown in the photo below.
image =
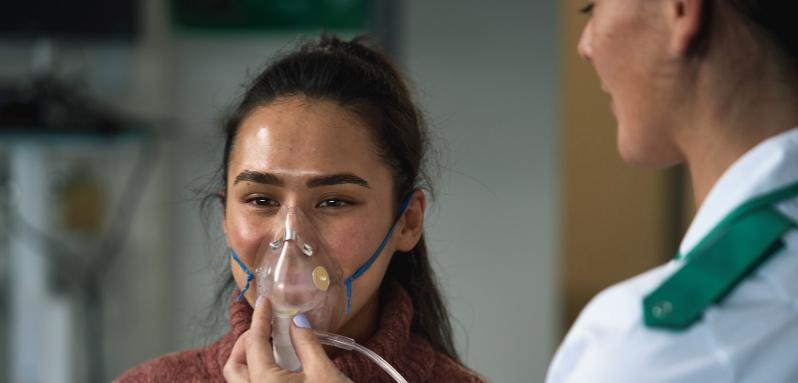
(235, 369)
(307, 346)
(239, 353)
(258, 348)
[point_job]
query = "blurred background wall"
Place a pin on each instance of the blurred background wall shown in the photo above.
(534, 213)
(488, 81)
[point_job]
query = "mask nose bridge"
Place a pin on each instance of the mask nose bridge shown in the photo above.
(291, 225)
(290, 235)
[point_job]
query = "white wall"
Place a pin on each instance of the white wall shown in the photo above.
(486, 75)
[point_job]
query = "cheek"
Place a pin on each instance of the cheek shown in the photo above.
(620, 40)
(351, 246)
(354, 238)
(611, 62)
(244, 236)
(245, 240)
(620, 58)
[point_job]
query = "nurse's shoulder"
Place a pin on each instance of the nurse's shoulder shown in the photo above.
(749, 337)
(610, 343)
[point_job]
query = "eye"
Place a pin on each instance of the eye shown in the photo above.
(587, 9)
(334, 203)
(263, 202)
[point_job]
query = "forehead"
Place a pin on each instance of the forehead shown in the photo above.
(299, 135)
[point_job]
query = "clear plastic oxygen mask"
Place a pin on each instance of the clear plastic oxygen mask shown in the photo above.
(297, 275)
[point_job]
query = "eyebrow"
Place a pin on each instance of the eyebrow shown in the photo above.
(337, 179)
(258, 177)
(327, 180)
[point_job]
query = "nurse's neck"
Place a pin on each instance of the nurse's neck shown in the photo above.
(727, 120)
(723, 149)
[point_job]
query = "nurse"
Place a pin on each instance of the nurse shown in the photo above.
(712, 84)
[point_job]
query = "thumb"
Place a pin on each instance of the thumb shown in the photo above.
(307, 346)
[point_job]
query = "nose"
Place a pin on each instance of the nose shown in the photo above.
(585, 46)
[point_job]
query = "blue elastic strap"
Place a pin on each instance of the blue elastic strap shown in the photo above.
(363, 268)
(246, 270)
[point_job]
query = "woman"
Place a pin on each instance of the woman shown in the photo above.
(328, 130)
(712, 84)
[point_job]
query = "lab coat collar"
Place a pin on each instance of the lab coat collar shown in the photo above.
(770, 165)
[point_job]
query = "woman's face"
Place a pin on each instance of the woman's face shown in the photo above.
(626, 42)
(320, 158)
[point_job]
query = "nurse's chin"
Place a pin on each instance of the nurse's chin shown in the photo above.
(653, 155)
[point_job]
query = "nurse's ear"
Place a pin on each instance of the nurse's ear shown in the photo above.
(687, 22)
(411, 225)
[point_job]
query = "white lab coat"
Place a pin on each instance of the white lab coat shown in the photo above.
(750, 336)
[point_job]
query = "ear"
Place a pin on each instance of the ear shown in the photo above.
(411, 225)
(686, 19)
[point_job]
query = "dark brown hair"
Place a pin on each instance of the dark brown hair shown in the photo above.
(776, 20)
(358, 77)
(771, 21)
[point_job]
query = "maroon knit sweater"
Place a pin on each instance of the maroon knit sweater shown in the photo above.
(412, 355)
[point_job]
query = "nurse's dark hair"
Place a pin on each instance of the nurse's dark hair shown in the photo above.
(772, 19)
(356, 76)
(776, 18)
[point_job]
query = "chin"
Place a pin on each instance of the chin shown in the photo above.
(648, 154)
(634, 159)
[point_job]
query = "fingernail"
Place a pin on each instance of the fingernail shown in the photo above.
(301, 321)
(258, 301)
